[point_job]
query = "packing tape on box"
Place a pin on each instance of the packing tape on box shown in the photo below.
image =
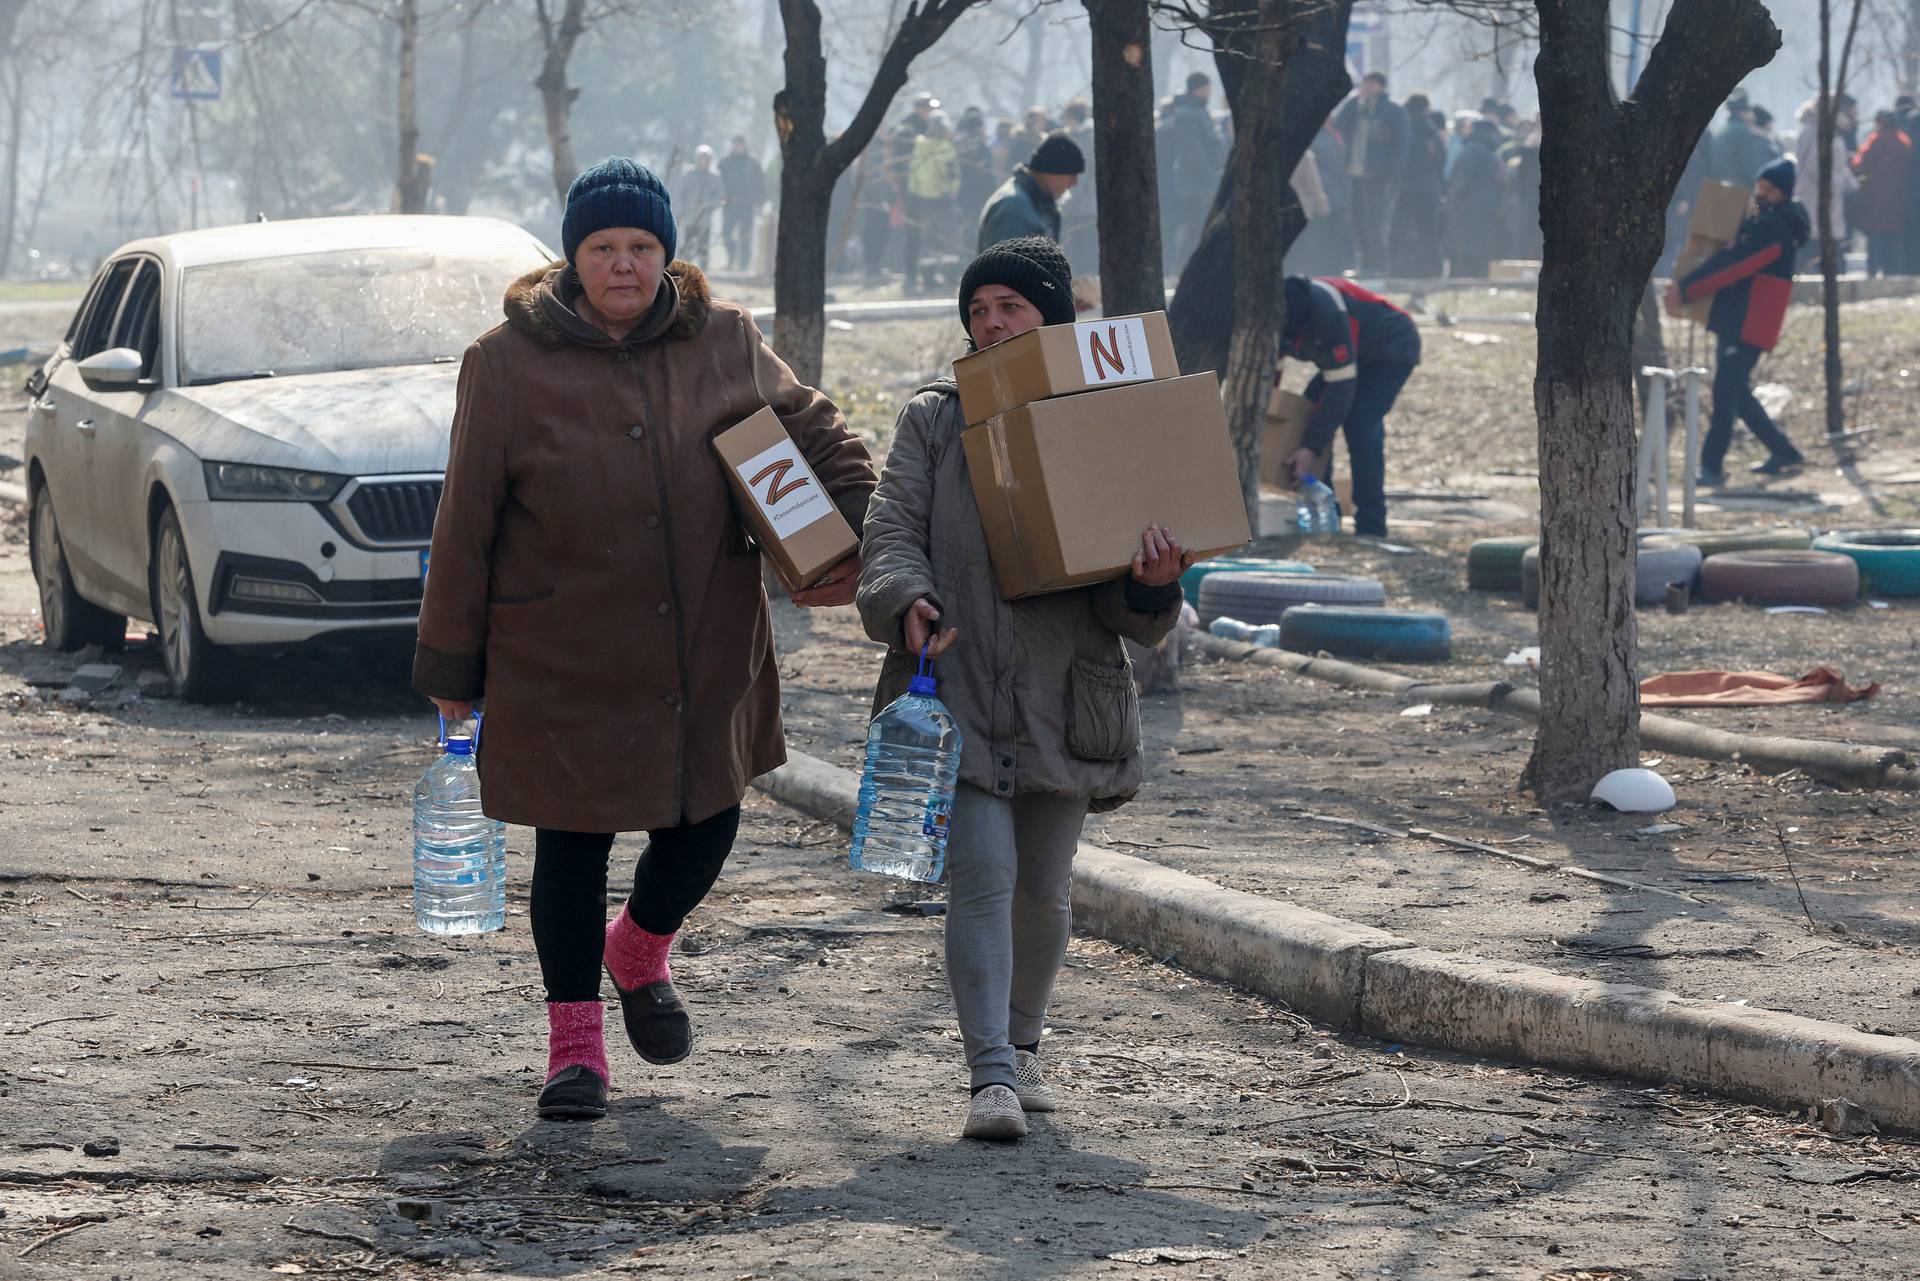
(1004, 482)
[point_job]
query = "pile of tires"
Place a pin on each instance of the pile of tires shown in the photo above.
(1781, 578)
(1407, 636)
(1191, 580)
(1889, 559)
(1264, 598)
(1657, 564)
(1493, 564)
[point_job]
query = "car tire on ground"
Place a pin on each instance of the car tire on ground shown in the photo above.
(70, 621)
(1493, 564)
(1530, 577)
(1407, 636)
(1781, 578)
(199, 669)
(1712, 542)
(1659, 563)
(1263, 598)
(1191, 580)
(1889, 559)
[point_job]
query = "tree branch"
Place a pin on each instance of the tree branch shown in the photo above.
(918, 31)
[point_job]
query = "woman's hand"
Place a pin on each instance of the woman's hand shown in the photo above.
(837, 588)
(919, 630)
(454, 709)
(1161, 559)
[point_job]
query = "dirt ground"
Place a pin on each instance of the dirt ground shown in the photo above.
(212, 962)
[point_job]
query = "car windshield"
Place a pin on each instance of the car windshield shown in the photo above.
(342, 309)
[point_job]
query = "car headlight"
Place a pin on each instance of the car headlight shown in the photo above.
(245, 483)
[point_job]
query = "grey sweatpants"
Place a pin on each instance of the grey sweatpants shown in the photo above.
(1009, 912)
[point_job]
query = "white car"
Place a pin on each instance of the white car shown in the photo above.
(243, 436)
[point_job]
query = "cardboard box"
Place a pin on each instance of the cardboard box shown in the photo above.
(781, 500)
(1288, 417)
(1066, 486)
(1718, 211)
(1061, 360)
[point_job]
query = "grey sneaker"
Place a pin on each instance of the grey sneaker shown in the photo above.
(1030, 1083)
(995, 1113)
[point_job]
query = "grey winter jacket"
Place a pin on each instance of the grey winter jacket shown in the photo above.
(1019, 208)
(1042, 688)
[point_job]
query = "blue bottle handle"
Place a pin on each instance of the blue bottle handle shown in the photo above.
(478, 721)
(926, 664)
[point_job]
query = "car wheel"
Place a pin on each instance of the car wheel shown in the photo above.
(71, 622)
(196, 666)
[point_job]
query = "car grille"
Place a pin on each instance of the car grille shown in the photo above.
(396, 511)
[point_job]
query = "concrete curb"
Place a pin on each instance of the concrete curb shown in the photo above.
(1358, 978)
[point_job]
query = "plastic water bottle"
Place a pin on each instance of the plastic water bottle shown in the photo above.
(1316, 511)
(906, 789)
(459, 854)
(1263, 635)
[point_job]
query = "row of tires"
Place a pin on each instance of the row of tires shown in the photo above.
(1317, 613)
(1770, 566)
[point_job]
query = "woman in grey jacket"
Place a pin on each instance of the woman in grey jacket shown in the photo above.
(1042, 690)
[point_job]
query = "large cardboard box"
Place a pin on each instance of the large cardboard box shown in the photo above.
(1066, 486)
(1061, 360)
(782, 502)
(1288, 417)
(1717, 213)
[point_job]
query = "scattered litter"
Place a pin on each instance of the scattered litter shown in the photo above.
(1474, 339)
(840, 326)
(1418, 709)
(1634, 791)
(1528, 657)
(1169, 1254)
(1877, 604)
(94, 677)
(1795, 609)
(1749, 689)
(1659, 829)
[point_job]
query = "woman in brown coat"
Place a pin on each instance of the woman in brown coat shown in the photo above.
(1041, 688)
(590, 579)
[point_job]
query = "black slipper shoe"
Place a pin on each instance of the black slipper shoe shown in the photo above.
(574, 1094)
(657, 1022)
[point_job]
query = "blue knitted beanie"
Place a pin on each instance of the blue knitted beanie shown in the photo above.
(617, 192)
(1781, 174)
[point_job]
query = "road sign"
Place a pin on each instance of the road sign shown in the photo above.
(196, 74)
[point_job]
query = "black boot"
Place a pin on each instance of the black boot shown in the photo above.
(1779, 464)
(574, 1094)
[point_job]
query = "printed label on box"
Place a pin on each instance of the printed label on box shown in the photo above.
(1113, 351)
(786, 489)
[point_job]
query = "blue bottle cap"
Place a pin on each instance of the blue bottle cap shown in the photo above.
(1309, 479)
(459, 745)
(923, 685)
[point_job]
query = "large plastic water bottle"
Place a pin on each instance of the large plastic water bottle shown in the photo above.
(1261, 635)
(906, 789)
(459, 854)
(1316, 510)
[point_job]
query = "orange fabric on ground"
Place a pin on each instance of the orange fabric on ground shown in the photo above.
(1749, 689)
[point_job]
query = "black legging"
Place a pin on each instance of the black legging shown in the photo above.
(675, 871)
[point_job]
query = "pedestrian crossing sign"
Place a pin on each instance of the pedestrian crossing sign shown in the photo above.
(196, 74)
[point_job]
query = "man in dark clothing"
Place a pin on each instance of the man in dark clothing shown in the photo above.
(1365, 349)
(1375, 131)
(1414, 245)
(1191, 155)
(745, 187)
(1028, 204)
(1738, 150)
(1751, 283)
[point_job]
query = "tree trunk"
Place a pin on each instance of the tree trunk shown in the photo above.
(556, 97)
(1258, 246)
(1829, 249)
(1036, 53)
(1614, 165)
(410, 181)
(1205, 306)
(9, 216)
(1132, 277)
(1649, 345)
(1910, 50)
(810, 165)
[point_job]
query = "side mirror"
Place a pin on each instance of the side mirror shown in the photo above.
(116, 368)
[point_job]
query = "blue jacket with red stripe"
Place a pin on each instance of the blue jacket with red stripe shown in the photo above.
(1340, 327)
(1751, 280)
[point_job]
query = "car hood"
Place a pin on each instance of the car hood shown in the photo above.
(358, 422)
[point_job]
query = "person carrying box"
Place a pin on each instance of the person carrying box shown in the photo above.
(1041, 687)
(1751, 283)
(1365, 349)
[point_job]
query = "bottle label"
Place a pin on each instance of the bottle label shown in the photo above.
(934, 828)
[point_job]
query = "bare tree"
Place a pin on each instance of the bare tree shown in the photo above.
(1132, 278)
(1832, 87)
(557, 40)
(811, 163)
(1605, 163)
(414, 175)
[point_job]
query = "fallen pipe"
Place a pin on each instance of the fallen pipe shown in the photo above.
(1845, 764)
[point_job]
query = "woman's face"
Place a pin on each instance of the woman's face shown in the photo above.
(996, 313)
(620, 270)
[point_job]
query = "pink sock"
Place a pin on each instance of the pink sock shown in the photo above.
(575, 1037)
(636, 958)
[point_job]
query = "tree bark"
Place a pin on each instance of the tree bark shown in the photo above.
(1831, 87)
(811, 164)
(411, 181)
(1205, 302)
(556, 96)
(1132, 275)
(1610, 165)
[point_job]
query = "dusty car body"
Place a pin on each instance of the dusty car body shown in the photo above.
(242, 437)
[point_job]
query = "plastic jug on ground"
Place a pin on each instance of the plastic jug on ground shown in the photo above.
(1263, 635)
(1316, 510)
